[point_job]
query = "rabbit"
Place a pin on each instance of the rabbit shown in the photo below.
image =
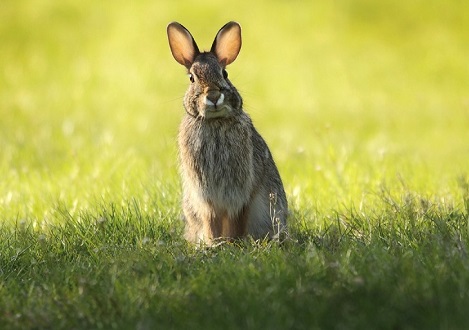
(231, 185)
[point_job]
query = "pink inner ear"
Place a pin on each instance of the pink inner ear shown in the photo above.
(228, 43)
(182, 44)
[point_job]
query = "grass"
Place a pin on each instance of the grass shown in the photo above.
(364, 106)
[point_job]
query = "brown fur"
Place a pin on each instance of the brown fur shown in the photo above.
(227, 170)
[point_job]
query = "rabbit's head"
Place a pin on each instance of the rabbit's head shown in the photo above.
(210, 93)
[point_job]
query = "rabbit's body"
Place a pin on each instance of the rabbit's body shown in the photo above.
(228, 177)
(231, 186)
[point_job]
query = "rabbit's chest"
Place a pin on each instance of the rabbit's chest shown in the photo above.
(224, 158)
(219, 161)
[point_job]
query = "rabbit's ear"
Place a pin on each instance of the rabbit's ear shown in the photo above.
(182, 44)
(227, 43)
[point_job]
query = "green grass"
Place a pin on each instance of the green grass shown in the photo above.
(364, 105)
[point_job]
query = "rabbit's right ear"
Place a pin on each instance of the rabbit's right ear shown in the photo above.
(182, 44)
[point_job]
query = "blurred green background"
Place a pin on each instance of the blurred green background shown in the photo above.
(350, 95)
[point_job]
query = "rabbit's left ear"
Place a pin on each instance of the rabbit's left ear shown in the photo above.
(227, 43)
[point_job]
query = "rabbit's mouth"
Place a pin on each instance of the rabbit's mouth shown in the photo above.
(214, 105)
(217, 111)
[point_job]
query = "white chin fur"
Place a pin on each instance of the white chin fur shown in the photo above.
(210, 103)
(221, 99)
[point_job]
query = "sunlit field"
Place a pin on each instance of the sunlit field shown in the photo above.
(364, 105)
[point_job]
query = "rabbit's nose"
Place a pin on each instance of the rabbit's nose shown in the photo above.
(214, 97)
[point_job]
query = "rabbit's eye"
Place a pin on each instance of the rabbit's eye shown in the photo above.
(225, 74)
(191, 77)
